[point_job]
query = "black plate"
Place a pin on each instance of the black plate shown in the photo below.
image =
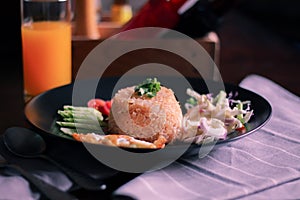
(41, 111)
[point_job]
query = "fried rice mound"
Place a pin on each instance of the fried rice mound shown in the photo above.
(146, 118)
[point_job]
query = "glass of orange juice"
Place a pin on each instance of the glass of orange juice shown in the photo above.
(46, 45)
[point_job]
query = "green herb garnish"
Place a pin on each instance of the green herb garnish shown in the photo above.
(192, 101)
(149, 87)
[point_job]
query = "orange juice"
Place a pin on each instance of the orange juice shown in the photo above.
(46, 55)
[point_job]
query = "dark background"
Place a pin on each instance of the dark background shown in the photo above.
(11, 84)
(261, 37)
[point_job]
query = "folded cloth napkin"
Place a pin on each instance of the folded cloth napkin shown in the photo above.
(263, 165)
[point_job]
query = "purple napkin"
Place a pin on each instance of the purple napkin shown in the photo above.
(13, 186)
(263, 165)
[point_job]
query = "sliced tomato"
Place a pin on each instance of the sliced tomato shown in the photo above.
(101, 105)
(241, 129)
(96, 103)
(105, 110)
(108, 104)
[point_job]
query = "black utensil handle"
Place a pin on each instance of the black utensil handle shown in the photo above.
(49, 191)
(80, 179)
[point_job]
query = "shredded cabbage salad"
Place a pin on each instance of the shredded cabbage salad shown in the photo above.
(213, 118)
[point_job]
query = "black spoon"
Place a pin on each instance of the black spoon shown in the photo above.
(26, 143)
(49, 191)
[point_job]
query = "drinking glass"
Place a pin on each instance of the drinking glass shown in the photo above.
(46, 45)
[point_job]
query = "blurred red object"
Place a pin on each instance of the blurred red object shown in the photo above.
(156, 13)
(194, 18)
